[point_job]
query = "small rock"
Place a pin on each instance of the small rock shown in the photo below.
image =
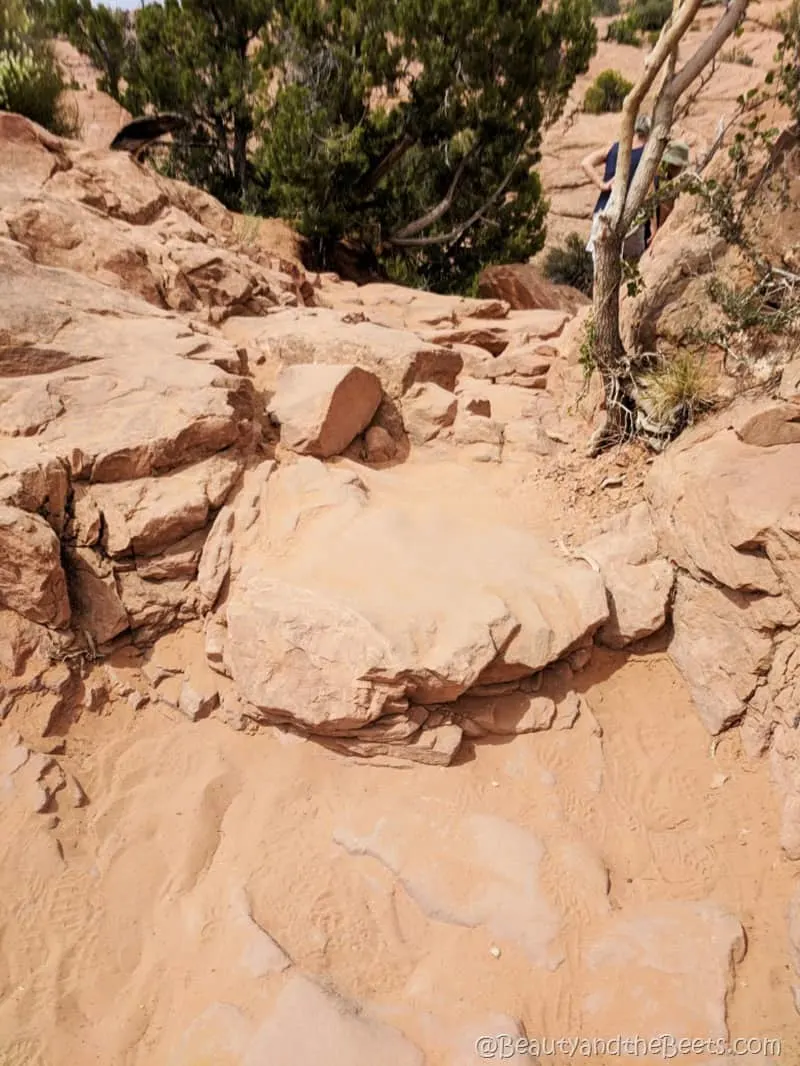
(567, 711)
(137, 699)
(379, 445)
(75, 793)
(195, 702)
(612, 482)
(495, 951)
(428, 409)
(580, 658)
(718, 780)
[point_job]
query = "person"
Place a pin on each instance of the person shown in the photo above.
(607, 158)
(673, 163)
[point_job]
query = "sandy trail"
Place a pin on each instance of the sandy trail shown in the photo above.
(439, 899)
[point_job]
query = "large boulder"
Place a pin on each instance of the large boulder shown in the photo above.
(32, 580)
(288, 338)
(523, 288)
(726, 503)
(369, 607)
(321, 409)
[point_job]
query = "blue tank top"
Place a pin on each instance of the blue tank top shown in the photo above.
(611, 170)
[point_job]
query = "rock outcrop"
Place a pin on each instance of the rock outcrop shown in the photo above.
(524, 288)
(405, 615)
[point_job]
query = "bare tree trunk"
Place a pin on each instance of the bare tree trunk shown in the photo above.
(609, 351)
(627, 199)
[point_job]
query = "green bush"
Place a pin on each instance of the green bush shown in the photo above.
(30, 81)
(570, 265)
(623, 31)
(650, 15)
(605, 7)
(606, 93)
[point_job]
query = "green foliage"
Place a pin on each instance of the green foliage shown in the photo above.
(411, 128)
(769, 302)
(588, 359)
(571, 265)
(650, 15)
(605, 7)
(606, 93)
(443, 178)
(30, 81)
(100, 33)
(624, 31)
(788, 59)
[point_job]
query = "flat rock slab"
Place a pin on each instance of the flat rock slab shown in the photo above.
(341, 607)
(669, 966)
(481, 870)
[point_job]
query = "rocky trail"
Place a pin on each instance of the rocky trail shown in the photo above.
(348, 714)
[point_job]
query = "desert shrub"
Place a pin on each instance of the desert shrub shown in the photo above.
(623, 31)
(606, 93)
(677, 390)
(570, 264)
(651, 15)
(30, 81)
(737, 55)
(605, 7)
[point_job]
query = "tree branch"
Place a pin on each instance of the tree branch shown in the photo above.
(390, 160)
(441, 209)
(709, 48)
(459, 231)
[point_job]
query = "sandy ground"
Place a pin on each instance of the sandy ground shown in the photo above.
(133, 926)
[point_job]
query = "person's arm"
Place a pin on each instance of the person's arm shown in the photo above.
(590, 166)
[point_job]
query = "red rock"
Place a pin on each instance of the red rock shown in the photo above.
(524, 288)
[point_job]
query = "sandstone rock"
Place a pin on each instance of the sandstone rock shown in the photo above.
(719, 648)
(197, 700)
(349, 1037)
(790, 826)
(333, 648)
(523, 287)
(427, 409)
(98, 607)
(321, 409)
(639, 586)
(481, 870)
(719, 505)
(478, 437)
(504, 715)
(379, 445)
(19, 640)
(768, 424)
(674, 960)
(32, 581)
(398, 359)
(146, 515)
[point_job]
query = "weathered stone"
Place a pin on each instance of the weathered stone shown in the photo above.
(428, 409)
(32, 581)
(321, 409)
(522, 287)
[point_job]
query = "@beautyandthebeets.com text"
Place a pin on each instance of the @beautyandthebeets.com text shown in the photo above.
(503, 1047)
